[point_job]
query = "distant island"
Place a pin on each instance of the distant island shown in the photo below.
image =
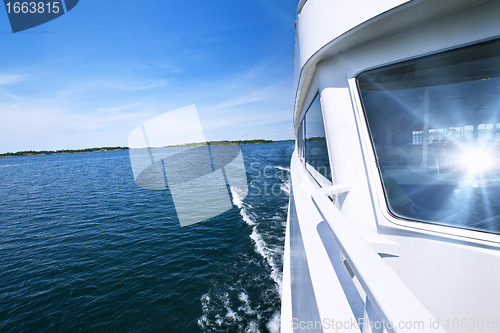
(224, 143)
(89, 150)
(64, 151)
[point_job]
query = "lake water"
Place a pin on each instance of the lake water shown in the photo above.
(83, 248)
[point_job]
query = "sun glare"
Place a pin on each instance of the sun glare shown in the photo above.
(477, 160)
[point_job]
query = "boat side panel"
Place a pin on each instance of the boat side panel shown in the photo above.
(452, 276)
(321, 21)
(354, 298)
(304, 306)
(406, 16)
(286, 288)
(451, 280)
(327, 291)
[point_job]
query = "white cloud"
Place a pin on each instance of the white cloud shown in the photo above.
(255, 96)
(91, 86)
(140, 84)
(118, 108)
(7, 79)
(6, 93)
(102, 110)
(46, 128)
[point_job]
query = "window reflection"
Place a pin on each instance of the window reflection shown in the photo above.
(300, 140)
(316, 151)
(435, 126)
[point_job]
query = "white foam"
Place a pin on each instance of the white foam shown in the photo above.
(205, 304)
(262, 249)
(230, 314)
(237, 197)
(226, 316)
(253, 327)
(205, 301)
(219, 320)
(203, 321)
(243, 297)
(287, 169)
(246, 318)
(246, 307)
(285, 186)
(284, 176)
(274, 324)
(247, 217)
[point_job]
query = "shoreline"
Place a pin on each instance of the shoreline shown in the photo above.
(101, 149)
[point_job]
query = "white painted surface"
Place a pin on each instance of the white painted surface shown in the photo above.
(453, 272)
(321, 21)
(392, 300)
(286, 290)
(330, 297)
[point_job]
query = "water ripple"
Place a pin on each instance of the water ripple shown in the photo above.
(82, 248)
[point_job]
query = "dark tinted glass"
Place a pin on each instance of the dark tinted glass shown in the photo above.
(316, 151)
(435, 123)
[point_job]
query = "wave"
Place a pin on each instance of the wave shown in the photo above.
(286, 186)
(228, 306)
(238, 196)
(285, 179)
(261, 247)
(243, 297)
(219, 313)
(274, 324)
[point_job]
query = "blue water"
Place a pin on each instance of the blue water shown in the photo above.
(83, 248)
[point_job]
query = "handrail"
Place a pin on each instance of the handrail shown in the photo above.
(391, 299)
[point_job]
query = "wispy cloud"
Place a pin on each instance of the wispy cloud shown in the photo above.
(140, 84)
(255, 96)
(101, 109)
(109, 84)
(6, 93)
(233, 60)
(10, 79)
(7, 79)
(94, 121)
(42, 128)
(118, 108)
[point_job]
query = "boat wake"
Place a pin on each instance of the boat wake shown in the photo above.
(250, 302)
(284, 176)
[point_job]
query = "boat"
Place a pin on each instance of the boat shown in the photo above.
(394, 213)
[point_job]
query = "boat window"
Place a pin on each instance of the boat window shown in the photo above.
(316, 151)
(300, 141)
(435, 127)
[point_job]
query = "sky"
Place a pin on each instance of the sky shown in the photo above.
(90, 77)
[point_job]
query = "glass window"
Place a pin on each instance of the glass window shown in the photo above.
(316, 151)
(300, 141)
(434, 124)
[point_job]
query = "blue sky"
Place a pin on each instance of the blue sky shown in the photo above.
(89, 77)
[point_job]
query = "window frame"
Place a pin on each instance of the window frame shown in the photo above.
(300, 141)
(316, 175)
(386, 217)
